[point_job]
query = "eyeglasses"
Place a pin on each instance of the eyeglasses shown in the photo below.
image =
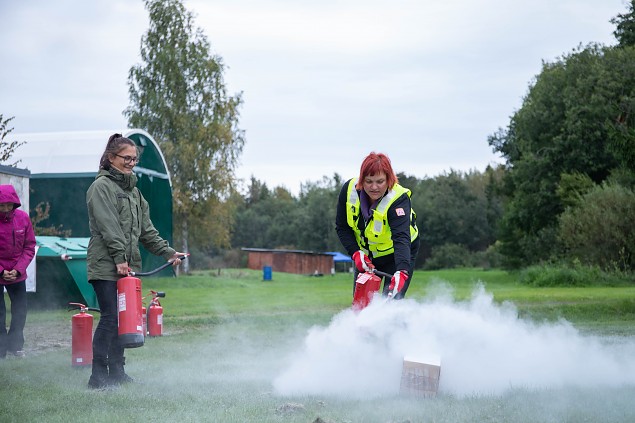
(128, 159)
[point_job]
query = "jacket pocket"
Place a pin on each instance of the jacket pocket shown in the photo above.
(18, 241)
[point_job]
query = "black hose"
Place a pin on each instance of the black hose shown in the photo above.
(380, 273)
(158, 269)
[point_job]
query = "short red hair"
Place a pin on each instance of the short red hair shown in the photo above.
(376, 163)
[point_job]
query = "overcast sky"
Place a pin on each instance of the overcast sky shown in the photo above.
(323, 82)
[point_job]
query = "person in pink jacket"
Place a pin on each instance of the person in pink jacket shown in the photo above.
(17, 248)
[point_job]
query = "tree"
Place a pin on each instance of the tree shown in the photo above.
(276, 219)
(625, 26)
(567, 125)
(7, 148)
(178, 95)
(456, 208)
(318, 203)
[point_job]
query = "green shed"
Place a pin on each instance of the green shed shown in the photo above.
(64, 164)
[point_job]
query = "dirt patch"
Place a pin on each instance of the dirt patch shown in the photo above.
(42, 337)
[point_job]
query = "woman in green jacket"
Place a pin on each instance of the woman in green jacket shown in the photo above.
(119, 219)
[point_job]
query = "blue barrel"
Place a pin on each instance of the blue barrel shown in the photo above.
(266, 273)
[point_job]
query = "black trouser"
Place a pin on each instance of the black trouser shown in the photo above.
(106, 347)
(13, 340)
(386, 264)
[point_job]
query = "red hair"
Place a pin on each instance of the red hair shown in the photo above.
(374, 164)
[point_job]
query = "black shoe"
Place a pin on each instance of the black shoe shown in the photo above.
(97, 382)
(119, 379)
(99, 376)
(117, 375)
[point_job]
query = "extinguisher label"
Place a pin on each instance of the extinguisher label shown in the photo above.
(122, 302)
(363, 278)
(160, 319)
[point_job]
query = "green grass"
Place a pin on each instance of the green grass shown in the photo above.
(226, 336)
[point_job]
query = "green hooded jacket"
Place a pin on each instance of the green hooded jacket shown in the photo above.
(119, 219)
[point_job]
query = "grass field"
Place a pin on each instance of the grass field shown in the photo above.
(239, 349)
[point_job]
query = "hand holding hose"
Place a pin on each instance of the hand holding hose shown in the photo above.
(176, 258)
(173, 261)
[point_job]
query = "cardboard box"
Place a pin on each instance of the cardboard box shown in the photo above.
(420, 376)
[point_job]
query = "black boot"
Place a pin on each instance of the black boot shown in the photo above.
(99, 377)
(117, 375)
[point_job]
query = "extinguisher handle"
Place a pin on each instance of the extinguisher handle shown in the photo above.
(158, 269)
(93, 309)
(75, 306)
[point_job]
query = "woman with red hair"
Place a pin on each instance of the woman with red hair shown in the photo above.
(376, 224)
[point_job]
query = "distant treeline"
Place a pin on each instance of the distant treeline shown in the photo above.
(564, 194)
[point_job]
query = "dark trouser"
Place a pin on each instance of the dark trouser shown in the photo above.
(14, 339)
(386, 264)
(106, 348)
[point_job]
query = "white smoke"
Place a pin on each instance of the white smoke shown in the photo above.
(484, 348)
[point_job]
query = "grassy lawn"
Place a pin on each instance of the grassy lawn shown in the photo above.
(228, 335)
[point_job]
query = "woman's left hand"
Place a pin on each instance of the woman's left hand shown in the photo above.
(176, 258)
(10, 275)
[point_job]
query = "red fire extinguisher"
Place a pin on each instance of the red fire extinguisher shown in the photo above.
(155, 314)
(82, 335)
(129, 312)
(130, 304)
(366, 285)
(145, 320)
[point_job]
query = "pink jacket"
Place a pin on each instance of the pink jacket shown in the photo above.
(17, 240)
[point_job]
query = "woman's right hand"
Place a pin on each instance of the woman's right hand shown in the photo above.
(123, 268)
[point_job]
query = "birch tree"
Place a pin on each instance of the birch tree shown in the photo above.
(178, 95)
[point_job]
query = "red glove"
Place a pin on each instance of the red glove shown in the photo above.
(397, 282)
(362, 262)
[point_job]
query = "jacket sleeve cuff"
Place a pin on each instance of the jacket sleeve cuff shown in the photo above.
(169, 253)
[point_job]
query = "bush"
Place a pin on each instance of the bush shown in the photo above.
(598, 231)
(575, 275)
(447, 256)
(450, 256)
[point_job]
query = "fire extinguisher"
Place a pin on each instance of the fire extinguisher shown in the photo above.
(155, 314)
(82, 335)
(145, 320)
(129, 312)
(130, 304)
(366, 285)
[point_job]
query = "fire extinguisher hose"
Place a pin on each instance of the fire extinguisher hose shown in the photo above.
(158, 269)
(383, 274)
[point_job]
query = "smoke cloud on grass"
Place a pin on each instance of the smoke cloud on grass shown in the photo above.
(484, 349)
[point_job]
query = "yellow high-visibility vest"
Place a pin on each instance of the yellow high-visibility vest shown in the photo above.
(376, 240)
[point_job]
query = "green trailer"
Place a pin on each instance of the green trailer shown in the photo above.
(60, 273)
